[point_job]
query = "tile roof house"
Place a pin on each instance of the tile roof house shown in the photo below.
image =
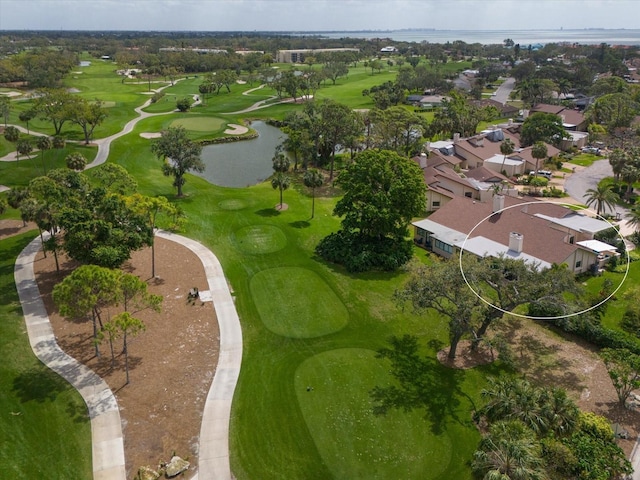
(540, 232)
(483, 150)
(572, 119)
(506, 111)
(444, 183)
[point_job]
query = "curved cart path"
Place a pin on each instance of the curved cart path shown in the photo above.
(106, 427)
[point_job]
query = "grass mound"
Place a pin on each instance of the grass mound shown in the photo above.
(297, 316)
(232, 204)
(257, 239)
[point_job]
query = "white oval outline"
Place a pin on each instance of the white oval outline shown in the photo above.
(519, 315)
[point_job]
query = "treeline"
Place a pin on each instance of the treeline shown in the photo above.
(37, 68)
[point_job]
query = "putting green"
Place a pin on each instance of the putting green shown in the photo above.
(260, 239)
(297, 303)
(232, 204)
(333, 391)
(200, 123)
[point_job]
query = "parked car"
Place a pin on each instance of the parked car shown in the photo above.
(591, 149)
(543, 173)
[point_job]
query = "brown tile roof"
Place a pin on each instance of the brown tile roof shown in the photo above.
(540, 240)
(570, 115)
(483, 174)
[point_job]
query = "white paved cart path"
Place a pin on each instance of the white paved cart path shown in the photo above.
(106, 426)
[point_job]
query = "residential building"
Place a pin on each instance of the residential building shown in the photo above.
(572, 119)
(298, 56)
(444, 183)
(534, 231)
(483, 150)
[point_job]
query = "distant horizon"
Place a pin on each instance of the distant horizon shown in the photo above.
(524, 37)
(364, 30)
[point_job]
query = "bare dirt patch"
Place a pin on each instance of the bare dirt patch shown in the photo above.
(9, 228)
(547, 357)
(172, 363)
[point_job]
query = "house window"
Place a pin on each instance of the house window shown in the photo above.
(572, 239)
(467, 194)
(435, 204)
(578, 263)
(443, 246)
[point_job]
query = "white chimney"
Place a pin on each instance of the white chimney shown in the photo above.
(515, 242)
(498, 203)
(423, 160)
(456, 137)
(510, 122)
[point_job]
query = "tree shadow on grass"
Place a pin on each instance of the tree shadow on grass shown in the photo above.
(39, 384)
(300, 224)
(268, 212)
(422, 383)
(78, 412)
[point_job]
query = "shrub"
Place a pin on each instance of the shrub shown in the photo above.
(361, 255)
(183, 104)
(156, 97)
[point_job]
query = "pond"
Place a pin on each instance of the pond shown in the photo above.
(242, 163)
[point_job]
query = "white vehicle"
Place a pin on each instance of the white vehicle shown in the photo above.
(543, 173)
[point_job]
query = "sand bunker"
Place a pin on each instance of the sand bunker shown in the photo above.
(150, 134)
(11, 94)
(236, 129)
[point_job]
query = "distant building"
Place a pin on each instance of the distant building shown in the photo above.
(389, 49)
(298, 56)
(201, 51)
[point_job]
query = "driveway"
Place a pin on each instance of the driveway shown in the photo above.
(504, 90)
(577, 184)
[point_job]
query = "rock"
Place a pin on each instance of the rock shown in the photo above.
(147, 473)
(176, 466)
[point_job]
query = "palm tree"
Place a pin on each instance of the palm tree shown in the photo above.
(563, 87)
(633, 218)
(602, 196)
(509, 452)
(560, 411)
(313, 179)
(76, 161)
(506, 148)
(618, 158)
(23, 147)
(280, 179)
(629, 175)
(538, 152)
(43, 144)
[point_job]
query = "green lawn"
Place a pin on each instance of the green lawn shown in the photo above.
(44, 423)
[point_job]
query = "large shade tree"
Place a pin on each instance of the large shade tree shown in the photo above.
(383, 191)
(542, 127)
(180, 155)
(440, 287)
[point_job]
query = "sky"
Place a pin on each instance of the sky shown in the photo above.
(316, 15)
